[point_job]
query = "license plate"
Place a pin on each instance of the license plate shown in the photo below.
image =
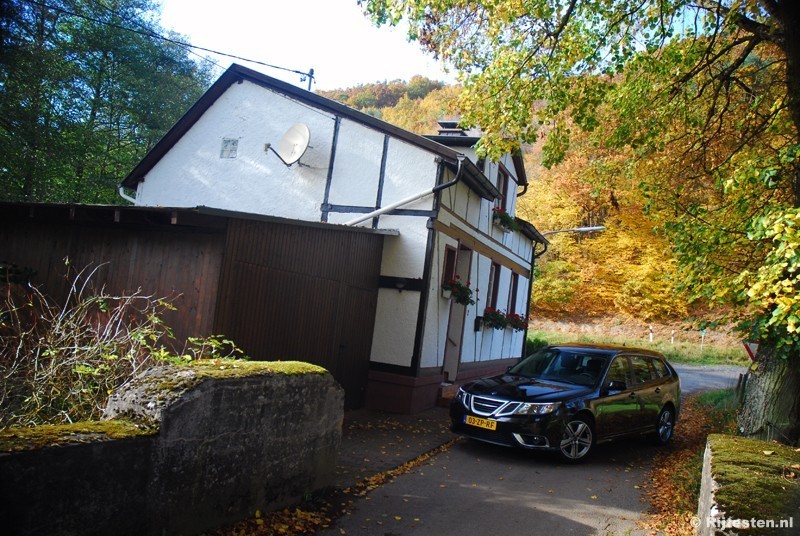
(481, 423)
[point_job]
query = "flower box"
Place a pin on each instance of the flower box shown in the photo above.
(494, 318)
(503, 220)
(459, 292)
(516, 322)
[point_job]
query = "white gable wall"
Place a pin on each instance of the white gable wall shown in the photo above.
(357, 167)
(192, 172)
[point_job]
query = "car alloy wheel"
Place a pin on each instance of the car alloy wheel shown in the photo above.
(666, 422)
(576, 441)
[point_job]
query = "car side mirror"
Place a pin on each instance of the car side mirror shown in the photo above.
(616, 385)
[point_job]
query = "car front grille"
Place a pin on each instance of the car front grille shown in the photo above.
(483, 405)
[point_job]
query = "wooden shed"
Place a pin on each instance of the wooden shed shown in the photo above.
(281, 289)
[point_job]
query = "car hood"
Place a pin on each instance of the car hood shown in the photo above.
(520, 388)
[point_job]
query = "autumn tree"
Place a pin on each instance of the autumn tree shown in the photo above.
(376, 96)
(87, 90)
(421, 115)
(707, 97)
(627, 271)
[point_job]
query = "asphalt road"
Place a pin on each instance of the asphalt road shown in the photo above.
(481, 489)
(696, 378)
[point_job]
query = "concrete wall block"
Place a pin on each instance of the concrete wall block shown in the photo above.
(226, 447)
(80, 489)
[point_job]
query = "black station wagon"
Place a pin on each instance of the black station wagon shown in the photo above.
(569, 397)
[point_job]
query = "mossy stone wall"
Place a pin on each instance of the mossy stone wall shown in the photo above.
(223, 446)
(748, 484)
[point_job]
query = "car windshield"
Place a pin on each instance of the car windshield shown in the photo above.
(568, 366)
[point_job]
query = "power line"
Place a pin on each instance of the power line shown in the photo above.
(135, 22)
(149, 33)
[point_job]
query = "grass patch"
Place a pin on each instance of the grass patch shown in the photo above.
(719, 402)
(679, 352)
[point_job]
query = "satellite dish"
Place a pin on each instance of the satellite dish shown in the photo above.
(293, 144)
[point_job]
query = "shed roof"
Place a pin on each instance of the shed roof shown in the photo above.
(201, 217)
(473, 177)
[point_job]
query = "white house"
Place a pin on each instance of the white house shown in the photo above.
(257, 145)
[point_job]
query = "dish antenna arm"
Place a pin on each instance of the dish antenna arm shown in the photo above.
(268, 147)
(292, 146)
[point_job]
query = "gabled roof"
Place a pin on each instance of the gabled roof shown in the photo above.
(473, 177)
(470, 141)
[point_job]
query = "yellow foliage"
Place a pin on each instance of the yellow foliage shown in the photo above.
(626, 270)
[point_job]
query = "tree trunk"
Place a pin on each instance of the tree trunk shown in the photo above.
(771, 408)
(788, 15)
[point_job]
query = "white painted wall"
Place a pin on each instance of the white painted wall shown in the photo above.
(473, 215)
(397, 311)
(192, 172)
(357, 166)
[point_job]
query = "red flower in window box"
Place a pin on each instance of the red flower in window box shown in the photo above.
(516, 322)
(460, 292)
(494, 318)
(503, 219)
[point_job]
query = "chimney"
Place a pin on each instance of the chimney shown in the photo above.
(448, 126)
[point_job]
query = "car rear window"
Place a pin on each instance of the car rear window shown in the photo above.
(643, 370)
(661, 368)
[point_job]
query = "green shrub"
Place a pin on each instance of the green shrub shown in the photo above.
(60, 362)
(533, 343)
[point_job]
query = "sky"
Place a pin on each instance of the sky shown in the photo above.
(331, 36)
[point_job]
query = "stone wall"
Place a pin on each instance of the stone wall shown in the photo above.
(748, 485)
(707, 507)
(228, 440)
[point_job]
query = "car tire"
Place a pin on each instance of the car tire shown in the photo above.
(577, 440)
(665, 426)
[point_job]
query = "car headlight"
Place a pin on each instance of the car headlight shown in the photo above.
(461, 396)
(536, 408)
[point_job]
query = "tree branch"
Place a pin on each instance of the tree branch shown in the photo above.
(759, 29)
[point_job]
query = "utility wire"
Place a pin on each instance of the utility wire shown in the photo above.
(152, 34)
(134, 22)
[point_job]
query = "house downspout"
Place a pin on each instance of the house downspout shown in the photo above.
(422, 312)
(123, 195)
(411, 199)
(534, 256)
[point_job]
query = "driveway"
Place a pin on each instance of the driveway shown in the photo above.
(476, 488)
(695, 378)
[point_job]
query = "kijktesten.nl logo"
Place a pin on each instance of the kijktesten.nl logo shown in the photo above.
(723, 523)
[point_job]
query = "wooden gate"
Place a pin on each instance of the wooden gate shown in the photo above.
(307, 293)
